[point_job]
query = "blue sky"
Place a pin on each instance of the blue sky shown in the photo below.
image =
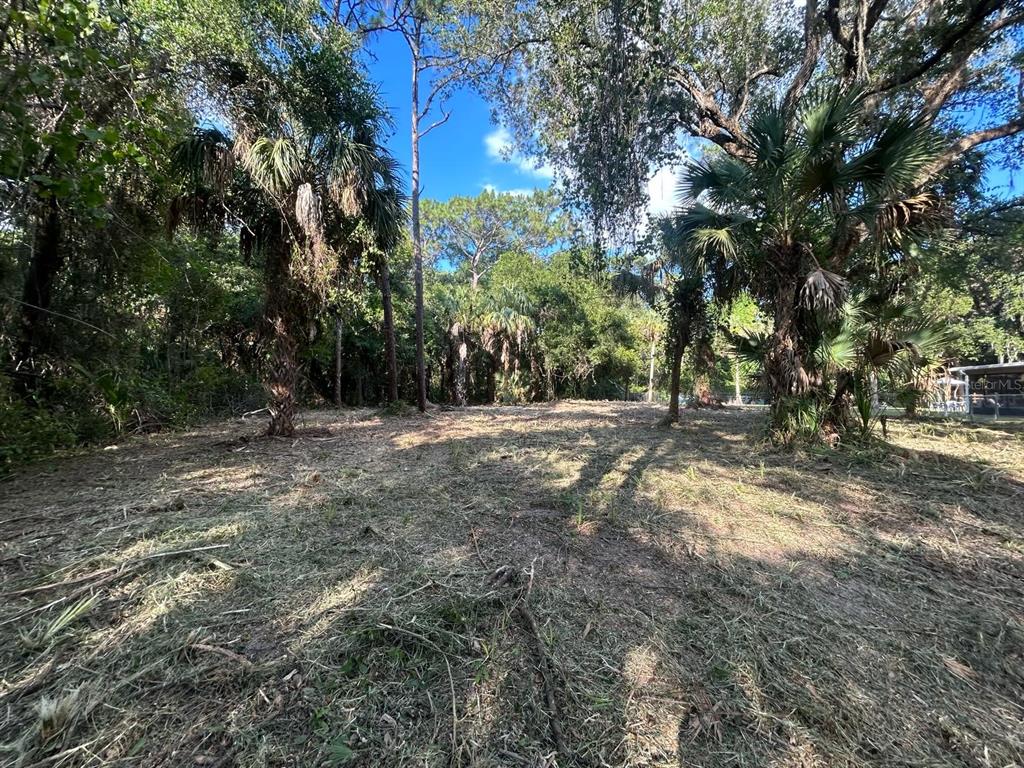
(465, 155)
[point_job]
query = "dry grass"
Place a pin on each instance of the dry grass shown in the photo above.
(541, 586)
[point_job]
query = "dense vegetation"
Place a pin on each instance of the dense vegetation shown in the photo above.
(200, 215)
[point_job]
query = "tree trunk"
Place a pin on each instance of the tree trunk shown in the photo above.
(836, 417)
(283, 375)
(678, 346)
(703, 364)
(783, 364)
(390, 345)
(37, 295)
(417, 237)
(650, 371)
(462, 355)
(736, 378)
(339, 327)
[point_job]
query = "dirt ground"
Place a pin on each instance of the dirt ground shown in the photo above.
(567, 585)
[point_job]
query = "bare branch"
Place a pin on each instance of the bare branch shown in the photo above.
(752, 78)
(436, 123)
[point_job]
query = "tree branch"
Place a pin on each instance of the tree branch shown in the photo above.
(831, 16)
(812, 44)
(971, 140)
(436, 123)
(752, 78)
(714, 124)
(978, 14)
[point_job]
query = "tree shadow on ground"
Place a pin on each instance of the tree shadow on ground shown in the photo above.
(699, 605)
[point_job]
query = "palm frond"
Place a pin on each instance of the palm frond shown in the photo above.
(837, 351)
(750, 345)
(769, 137)
(723, 180)
(275, 164)
(828, 122)
(204, 159)
(895, 161)
(308, 213)
(823, 291)
(911, 218)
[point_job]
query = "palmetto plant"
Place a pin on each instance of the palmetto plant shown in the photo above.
(460, 313)
(507, 323)
(821, 202)
(312, 189)
(870, 339)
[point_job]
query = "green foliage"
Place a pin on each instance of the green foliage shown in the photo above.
(469, 234)
(197, 196)
(535, 328)
(797, 421)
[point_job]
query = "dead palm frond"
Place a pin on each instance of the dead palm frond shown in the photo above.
(205, 159)
(823, 291)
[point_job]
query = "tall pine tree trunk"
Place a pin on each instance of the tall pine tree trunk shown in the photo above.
(417, 237)
(461, 361)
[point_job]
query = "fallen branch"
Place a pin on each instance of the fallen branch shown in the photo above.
(106, 575)
(227, 654)
(546, 668)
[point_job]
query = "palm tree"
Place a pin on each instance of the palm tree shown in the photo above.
(701, 279)
(316, 191)
(869, 338)
(506, 326)
(460, 317)
(821, 199)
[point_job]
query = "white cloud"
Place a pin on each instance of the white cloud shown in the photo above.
(501, 149)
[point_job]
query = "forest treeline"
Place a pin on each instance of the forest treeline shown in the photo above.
(200, 215)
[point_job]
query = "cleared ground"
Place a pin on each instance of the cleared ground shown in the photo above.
(552, 585)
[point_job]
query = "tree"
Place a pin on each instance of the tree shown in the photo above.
(608, 89)
(470, 233)
(742, 318)
(813, 208)
(440, 59)
(686, 307)
(421, 23)
(85, 107)
(305, 125)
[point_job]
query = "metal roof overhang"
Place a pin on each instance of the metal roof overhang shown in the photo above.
(983, 370)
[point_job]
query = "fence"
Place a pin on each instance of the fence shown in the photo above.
(981, 406)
